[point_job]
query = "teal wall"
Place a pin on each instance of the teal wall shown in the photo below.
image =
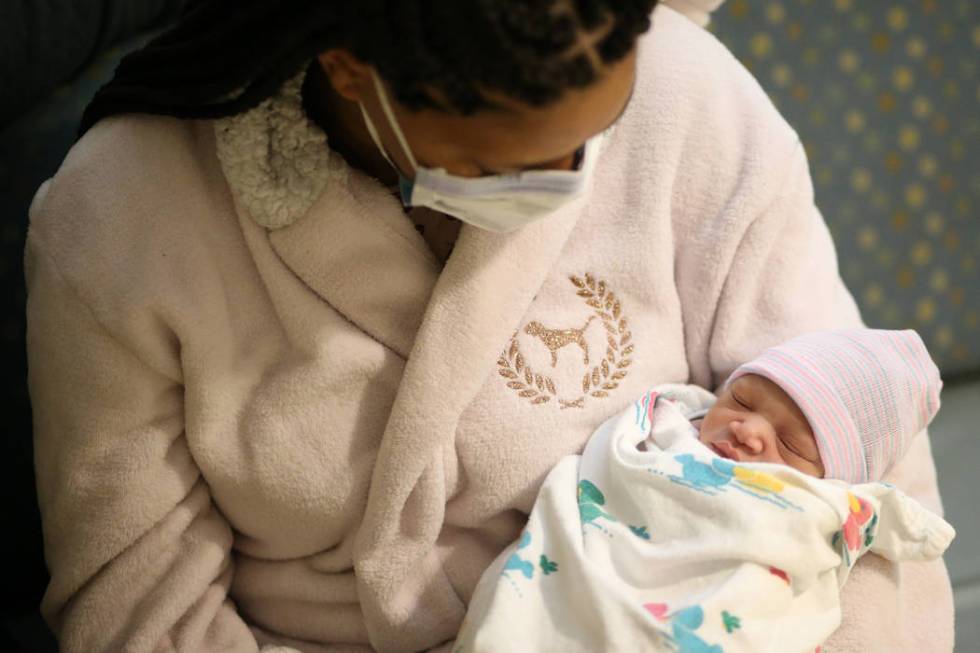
(885, 97)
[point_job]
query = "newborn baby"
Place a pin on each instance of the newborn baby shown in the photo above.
(842, 404)
(710, 526)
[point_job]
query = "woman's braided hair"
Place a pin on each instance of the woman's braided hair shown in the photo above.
(225, 56)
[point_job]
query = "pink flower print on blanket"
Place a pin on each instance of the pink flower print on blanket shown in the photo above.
(683, 623)
(858, 529)
(860, 513)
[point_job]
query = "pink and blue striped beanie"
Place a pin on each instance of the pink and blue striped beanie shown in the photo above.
(865, 392)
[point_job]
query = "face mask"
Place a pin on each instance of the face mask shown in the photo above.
(499, 203)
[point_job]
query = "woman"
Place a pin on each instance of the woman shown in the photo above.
(302, 349)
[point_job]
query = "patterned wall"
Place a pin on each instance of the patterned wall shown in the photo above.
(886, 97)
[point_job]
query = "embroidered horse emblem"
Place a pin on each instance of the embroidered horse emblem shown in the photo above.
(555, 339)
(599, 378)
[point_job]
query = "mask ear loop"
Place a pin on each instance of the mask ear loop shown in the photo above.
(393, 121)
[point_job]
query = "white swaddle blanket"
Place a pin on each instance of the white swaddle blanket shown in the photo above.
(677, 549)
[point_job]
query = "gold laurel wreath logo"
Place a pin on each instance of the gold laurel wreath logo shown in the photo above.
(598, 381)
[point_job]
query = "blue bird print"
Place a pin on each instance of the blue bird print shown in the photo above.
(516, 563)
(699, 476)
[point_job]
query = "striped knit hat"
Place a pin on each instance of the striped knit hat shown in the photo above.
(865, 392)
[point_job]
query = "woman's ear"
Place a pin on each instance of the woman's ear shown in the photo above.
(348, 75)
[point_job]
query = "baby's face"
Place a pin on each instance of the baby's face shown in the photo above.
(754, 420)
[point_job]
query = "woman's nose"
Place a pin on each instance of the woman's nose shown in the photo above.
(754, 433)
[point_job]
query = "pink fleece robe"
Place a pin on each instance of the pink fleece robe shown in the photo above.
(264, 415)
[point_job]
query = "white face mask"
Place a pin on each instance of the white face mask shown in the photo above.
(499, 203)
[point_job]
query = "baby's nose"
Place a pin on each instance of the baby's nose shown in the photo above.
(753, 433)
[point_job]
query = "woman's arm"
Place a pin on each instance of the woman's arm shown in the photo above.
(138, 554)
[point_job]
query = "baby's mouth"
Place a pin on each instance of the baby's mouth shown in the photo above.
(724, 450)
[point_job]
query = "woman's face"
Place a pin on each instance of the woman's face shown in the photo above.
(754, 420)
(520, 137)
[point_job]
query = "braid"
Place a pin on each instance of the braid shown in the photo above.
(224, 57)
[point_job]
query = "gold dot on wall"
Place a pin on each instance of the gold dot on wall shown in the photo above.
(935, 65)
(921, 253)
(934, 223)
(760, 45)
(915, 195)
(900, 219)
(915, 47)
(951, 89)
(968, 264)
(854, 120)
(873, 295)
(929, 6)
(905, 277)
(818, 117)
(928, 165)
(880, 200)
(946, 183)
(903, 78)
(867, 237)
(940, 124)
(939, 280)
(794, 31)
(898, 18)
(893, 162)
(956, 296)
(925, 309)
(775, 13)
(848, 61)
(886, 102)
(976, 36)
(800, 92)
(811, 56)
(861, 179)
(781, 74)
(944, 337)
(957, 150)
(908, 137)
(880, 42)
(738, 8)
(921, 106)
(845, 5)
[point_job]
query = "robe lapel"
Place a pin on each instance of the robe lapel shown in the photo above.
(357, 250)
(477, 304)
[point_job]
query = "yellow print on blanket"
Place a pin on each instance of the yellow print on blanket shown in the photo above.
(720, 474)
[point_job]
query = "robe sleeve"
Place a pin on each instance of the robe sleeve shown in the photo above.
(138, 554)
(783, 280)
